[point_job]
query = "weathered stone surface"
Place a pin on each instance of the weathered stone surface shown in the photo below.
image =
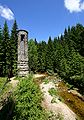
(22, 53)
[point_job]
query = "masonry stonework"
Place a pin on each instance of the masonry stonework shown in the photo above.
(22, 53)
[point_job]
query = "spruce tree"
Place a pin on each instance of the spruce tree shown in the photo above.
(14, 53)
(32, 55)
(49, 55)
(42, 56)
(55, 45)
(1, 59)
(6, 50)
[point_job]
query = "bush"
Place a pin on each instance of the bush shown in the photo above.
(28, 101)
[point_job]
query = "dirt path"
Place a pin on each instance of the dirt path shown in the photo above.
(58, 107)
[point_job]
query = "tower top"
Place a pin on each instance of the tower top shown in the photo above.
(22, 30)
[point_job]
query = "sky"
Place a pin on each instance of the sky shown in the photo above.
(42, 18)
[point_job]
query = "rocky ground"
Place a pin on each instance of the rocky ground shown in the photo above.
(58, 107)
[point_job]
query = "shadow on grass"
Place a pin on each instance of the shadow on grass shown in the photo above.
(7, 110)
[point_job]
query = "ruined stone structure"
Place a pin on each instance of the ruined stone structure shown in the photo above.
(22, 53)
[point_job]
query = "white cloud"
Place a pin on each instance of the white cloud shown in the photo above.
(74, 5)
(6, 13)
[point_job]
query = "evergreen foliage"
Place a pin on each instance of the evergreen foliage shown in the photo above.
(1, 53)
(49, 55)
(14, 43)
(42, 56)
(8, 50)
(33, 56)
(64, 54)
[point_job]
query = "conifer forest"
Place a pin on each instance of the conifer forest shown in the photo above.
(63, 56)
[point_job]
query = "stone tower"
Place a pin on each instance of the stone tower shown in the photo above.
(22, 53)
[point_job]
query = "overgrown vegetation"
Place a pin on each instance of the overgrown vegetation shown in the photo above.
(28, 101)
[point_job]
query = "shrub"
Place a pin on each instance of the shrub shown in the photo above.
(28, 101)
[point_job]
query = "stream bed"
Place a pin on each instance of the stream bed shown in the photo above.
(73, 101)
